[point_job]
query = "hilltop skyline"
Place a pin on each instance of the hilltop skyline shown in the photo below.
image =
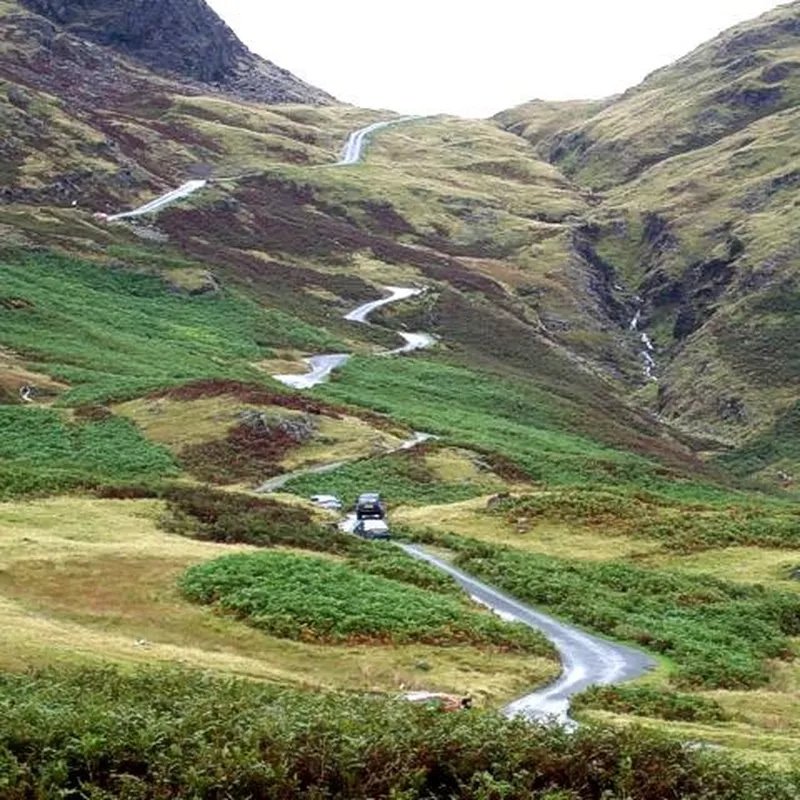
(444, 58)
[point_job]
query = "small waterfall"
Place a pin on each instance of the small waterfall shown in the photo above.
(647, 353)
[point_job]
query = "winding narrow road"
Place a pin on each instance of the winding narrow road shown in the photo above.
(351, 154)
(190, 187)
(322, 365)
(273, 484)
(586, 659)
(354, 147)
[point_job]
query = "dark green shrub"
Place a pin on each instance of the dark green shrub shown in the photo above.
(646, 701)
(311, 598)
(152, 735)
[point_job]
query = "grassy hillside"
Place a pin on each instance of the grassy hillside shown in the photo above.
(743, 75)
(698, 171)
(539, 120)
(138, 415)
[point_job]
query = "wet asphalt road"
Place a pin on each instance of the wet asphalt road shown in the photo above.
(322, 365)
(354, 147)
(586, 659)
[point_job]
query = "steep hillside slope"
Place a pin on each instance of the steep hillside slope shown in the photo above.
(748, 72)
(698, 169)
(539, 120)
(457, 206)
(183, 38)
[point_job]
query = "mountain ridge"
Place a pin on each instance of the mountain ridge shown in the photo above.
(694, 175)
(180, 38)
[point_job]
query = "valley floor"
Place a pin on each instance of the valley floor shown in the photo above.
(94, 581)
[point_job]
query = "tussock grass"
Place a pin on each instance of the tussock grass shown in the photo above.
(180, 423)
(82, 580)
(468, 518)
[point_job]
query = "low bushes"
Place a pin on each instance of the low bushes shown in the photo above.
(217, 516)
(646, 701)
(719, 634)
(315, 599)
(212, 515)
(43, 453)
(403, 477)
(247, 453)
(160, 734)
(682, 527)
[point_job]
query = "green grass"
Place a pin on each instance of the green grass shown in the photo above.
(401, 477)
(712, 92)
(311, 598)
(40, 452)
(113, 333)
(717, 633)
(156, 734)
(648, 701)
(781, 442)
(687, 527)
(718, 175)
(498, 415)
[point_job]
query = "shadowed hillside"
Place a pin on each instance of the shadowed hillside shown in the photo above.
(183, 38)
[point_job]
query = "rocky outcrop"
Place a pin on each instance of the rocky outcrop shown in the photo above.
(183, 38)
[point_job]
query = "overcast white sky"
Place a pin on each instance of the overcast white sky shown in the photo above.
(476, 57)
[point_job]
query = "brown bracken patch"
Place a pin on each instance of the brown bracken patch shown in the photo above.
(245, 454)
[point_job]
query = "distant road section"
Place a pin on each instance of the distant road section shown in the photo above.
(164, 200)
(354, 147)
(361, 313)
(322, 365)
(413, 341)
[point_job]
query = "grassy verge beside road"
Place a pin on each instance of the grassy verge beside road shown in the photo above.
(90, 581)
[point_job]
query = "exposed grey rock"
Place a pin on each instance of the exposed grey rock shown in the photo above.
(300, 429)
(182, 38)
(19, 98)
(732, 409)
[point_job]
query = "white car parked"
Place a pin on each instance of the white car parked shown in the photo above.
(329, 501)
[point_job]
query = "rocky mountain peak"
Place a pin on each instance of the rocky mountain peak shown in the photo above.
(183, 38)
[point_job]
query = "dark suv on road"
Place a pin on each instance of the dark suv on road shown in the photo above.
(369, 506)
